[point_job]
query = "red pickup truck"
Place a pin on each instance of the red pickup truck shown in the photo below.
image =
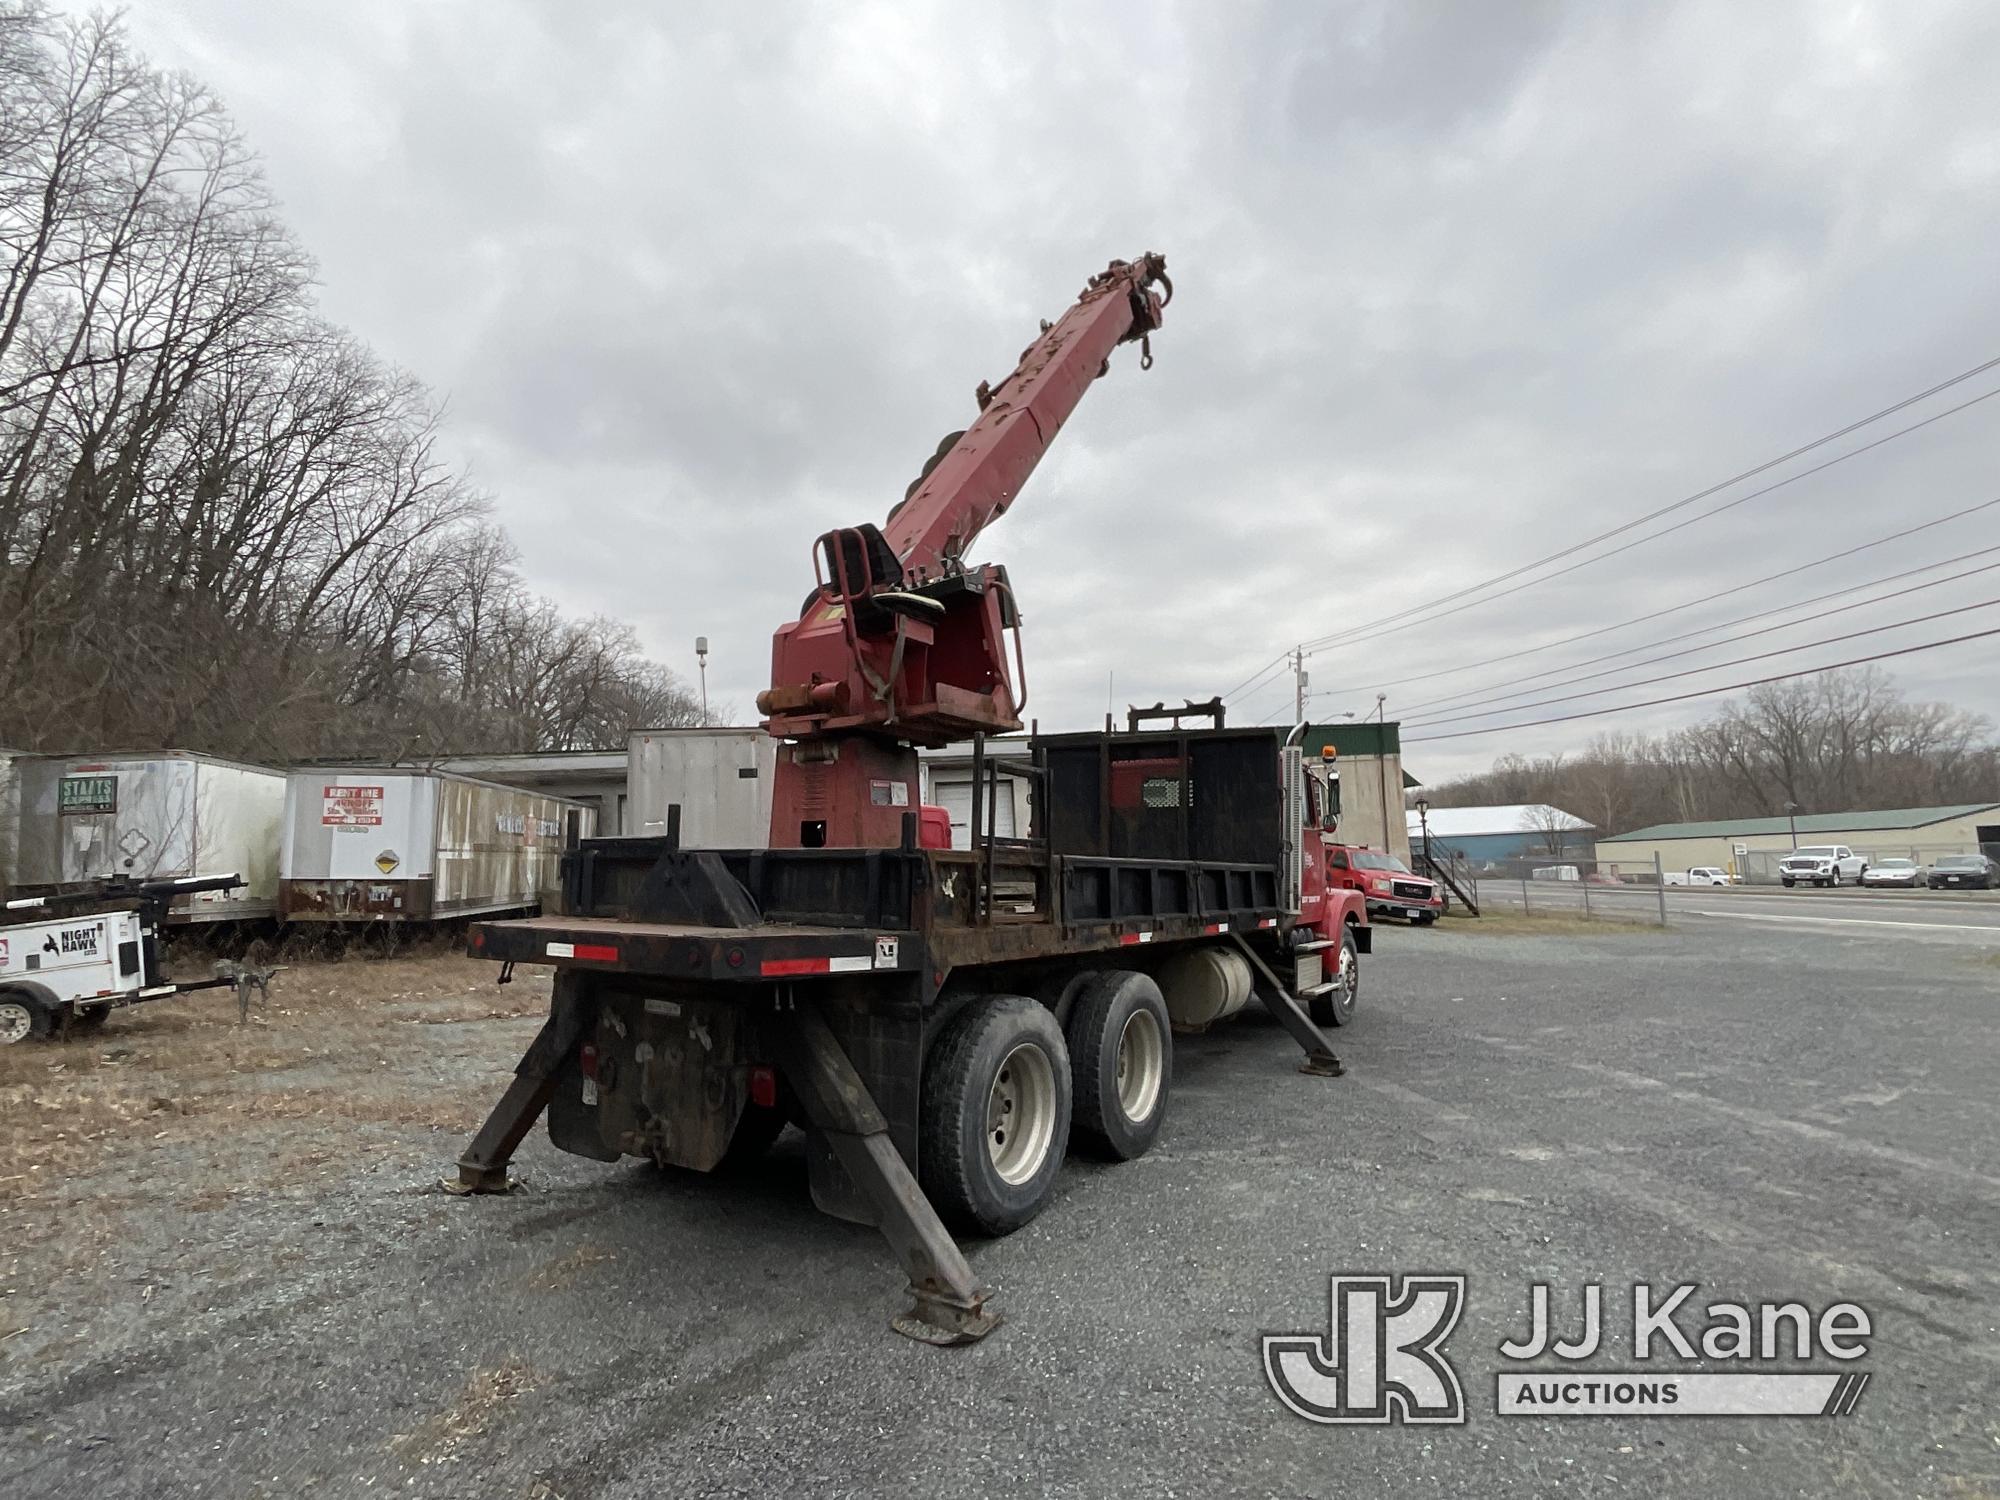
(1389, 886)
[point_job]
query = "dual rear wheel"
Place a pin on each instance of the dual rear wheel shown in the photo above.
(1006, 1087)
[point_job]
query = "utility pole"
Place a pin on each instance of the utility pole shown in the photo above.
(1382, 775)
(701, 657)
(1299, 685)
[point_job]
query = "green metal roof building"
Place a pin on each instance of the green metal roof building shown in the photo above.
(1919, 833)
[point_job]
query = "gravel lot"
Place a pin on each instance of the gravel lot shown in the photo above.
(226, 1270)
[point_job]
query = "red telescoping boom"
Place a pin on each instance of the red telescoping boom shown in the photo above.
(902, 642)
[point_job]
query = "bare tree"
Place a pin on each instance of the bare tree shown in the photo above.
(1835, 742)
(225, 524)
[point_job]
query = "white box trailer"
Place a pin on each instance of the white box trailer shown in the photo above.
(376, 844)
(162, 815)
(720, 779)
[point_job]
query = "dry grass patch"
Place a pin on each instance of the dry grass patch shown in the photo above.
(478, 1407)
(328, 1045)
(1498, 921)
(564, 1269)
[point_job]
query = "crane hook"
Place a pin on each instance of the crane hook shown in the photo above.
(1145, 351)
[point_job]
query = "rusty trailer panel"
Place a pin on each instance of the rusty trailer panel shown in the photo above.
(381, 844)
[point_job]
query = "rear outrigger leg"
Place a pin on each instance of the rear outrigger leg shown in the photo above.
(483, 1167)
(947, 1306)
(1281, 1003)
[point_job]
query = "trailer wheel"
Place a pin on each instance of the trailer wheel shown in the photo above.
(995, 1117)
(1336, 1006)
(1121, 1063)
(23, 1016)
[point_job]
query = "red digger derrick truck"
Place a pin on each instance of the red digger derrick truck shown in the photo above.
(942, 1023)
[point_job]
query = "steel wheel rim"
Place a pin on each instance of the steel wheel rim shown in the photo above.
(1346, 981)
(1021, 1113)
(1142, 1057)
(15, 1022)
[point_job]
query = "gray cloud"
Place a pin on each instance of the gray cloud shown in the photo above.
(1457, 284)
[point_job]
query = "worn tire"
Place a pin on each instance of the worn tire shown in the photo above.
(1789, 884)
(22, 1016)
(1336, 1007)
(1117, 1111)
(962, 1095)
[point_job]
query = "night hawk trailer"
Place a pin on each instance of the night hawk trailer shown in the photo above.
(67, 961)
(380, 844)
(938, 1021)
(166, 815)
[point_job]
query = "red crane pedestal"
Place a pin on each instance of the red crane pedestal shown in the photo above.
(901, 643)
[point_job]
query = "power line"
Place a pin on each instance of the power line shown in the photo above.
(1257, 676)
(1699, 495)
(1377, 627)
(1897, 535)
(1389, 626)
(1715, 666)
(1619, 708)
(1455, 702)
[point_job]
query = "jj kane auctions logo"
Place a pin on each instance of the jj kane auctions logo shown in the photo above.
(1382, 1358)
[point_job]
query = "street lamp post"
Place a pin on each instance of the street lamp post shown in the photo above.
(701, 657)
(1424, 826)
(1792, 814)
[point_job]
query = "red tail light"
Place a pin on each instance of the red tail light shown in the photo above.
(764, 1088)
(587, 1057)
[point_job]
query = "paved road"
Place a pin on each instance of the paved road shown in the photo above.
(1952, 916)
(1769, 1112)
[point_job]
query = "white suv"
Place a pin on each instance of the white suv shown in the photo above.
(1822, 864)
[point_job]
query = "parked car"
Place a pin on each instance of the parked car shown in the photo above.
(1699, 875)
(1388, 886)
(1894, 872)
(1964, 872)
(1822, 864)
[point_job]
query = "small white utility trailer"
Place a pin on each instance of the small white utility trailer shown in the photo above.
(67, 962)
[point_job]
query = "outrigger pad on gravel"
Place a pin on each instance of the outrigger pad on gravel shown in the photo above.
(469, 1183)
(946, 1327)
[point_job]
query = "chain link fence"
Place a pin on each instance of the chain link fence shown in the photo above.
(1575, 886)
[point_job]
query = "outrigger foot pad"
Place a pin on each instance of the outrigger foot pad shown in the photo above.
(1322, 1065)
(473, 1180)
(944, 1321)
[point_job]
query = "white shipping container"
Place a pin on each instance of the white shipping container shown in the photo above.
(719, 778)
(379, 844)
(151, 817)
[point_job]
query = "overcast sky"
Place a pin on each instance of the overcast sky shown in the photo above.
(1458, 285)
